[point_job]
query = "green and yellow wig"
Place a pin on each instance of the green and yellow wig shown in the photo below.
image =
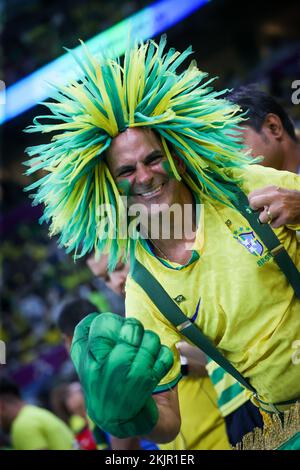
(110, 96)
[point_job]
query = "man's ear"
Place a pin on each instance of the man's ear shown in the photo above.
(273, 125)
(180, 165)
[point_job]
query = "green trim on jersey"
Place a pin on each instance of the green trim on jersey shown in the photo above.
(231, 394)
(195, 255)
(168, 386)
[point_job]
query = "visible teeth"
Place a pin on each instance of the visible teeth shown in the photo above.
(151, 193)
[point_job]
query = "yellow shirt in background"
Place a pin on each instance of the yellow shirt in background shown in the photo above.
(38, 429)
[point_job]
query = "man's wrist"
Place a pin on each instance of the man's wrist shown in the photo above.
(184, 365)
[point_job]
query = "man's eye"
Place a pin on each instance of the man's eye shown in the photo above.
(155, 159)
(125, 173)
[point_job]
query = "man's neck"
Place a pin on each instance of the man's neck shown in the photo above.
(292, 157)
(176, 234)
(177, 251)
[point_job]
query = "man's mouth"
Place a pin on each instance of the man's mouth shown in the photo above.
(152, 193)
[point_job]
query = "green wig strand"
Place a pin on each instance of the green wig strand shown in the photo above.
(145, 90)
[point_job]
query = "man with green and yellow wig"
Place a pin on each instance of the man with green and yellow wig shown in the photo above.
(141, 134)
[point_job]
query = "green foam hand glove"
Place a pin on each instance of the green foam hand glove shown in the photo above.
(119, 365)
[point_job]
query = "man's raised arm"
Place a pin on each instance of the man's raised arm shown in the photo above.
(119, 365)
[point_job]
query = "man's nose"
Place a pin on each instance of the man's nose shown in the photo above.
(143, 174)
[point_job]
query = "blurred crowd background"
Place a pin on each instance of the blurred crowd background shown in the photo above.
(240, 42)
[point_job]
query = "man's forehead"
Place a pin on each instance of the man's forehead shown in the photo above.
(132, 138)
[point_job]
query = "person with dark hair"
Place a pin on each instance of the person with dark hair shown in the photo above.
(268, 131)
(71, 313)
(31, 427)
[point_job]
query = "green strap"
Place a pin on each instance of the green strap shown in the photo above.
(266, 234)
(173, 313)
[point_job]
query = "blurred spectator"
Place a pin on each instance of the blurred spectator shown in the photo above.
(67, 403)
(71, 313)
(268, 130)
(30, 427)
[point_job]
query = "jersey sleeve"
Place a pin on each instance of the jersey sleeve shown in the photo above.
(258, 177)
(138, 305)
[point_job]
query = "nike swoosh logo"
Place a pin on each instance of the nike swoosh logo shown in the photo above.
(196, 312)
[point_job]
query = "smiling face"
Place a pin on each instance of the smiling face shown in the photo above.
(141, 171)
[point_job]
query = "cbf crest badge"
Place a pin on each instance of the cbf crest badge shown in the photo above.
(248, 240)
